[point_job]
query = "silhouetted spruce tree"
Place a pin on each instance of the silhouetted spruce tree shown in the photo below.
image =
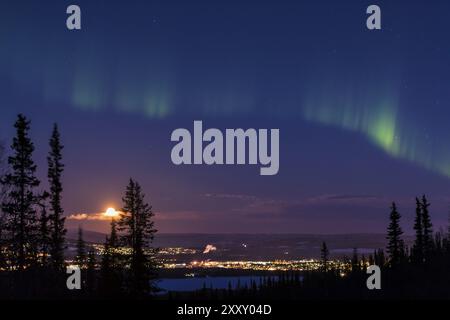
(137, 231)
(379, 258)
(438, 244)
(2, 159)
(56, 219)
(395, 247)
(114, 248)
(91, 272)
(417, 251)
(3, 257)
(427, 229)
(113, 237)
(3, 252)
(448, 225)
(371, 259)
(44, 233)
(111, 266)
(324, 255)
(80, 258)
(355, 261)
(447, 241)
(21, 199)
(105, 267)
(2, 173)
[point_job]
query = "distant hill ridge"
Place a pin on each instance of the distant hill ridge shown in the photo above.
(289, 246)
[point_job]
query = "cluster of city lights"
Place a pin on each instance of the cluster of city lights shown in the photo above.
(275, 265)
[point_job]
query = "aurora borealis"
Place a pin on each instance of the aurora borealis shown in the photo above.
(363, 116)
(379, 118)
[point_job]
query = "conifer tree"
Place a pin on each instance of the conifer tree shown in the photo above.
(137, 231)
(379, 258)
(44, 234)
(2, 174)
(113, 238)
(355, 261)
(448, 226)
(371, 259)
(91, 266)
(363, 263)
(56, 219)
(438, 244)
(2, 160)
(3, 256)
(427, 229)
(114, 248)
(447, 240)
(91, 259)
(395, 246)
(111, 265)
(324, 255)
(418, 228)
(21, 199)
(3, 251)
(80, 258)
(105, 270)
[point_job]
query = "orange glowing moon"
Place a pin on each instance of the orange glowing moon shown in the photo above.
(111, 212)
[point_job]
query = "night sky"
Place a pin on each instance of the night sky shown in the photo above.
(363, 115)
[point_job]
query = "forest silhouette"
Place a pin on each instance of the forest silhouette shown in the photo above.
(33, 244)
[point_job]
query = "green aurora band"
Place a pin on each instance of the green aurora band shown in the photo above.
(377, 116)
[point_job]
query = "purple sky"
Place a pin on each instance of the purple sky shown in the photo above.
(363, 116)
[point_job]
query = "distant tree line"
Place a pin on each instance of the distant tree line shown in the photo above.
(33, 243)
(419, 272)
(33, 233)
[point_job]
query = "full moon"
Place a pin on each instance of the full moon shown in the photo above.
(111, 212)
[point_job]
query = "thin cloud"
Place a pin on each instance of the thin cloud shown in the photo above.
(344, 198)
(89, 217)
(230, 196)
(177, 215)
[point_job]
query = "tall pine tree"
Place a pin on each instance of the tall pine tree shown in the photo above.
(137, 231)
(80, 258)
(417, 250)
(111, 266)
(395, 246)
(91, 272)
(3, 257)
(20, 202)
(355, 261)
(427, 229)
(324, 255)
(447, 240)
(448, 226)
(114, 248)
(56, 219)
(44, 232)
(2, 172)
